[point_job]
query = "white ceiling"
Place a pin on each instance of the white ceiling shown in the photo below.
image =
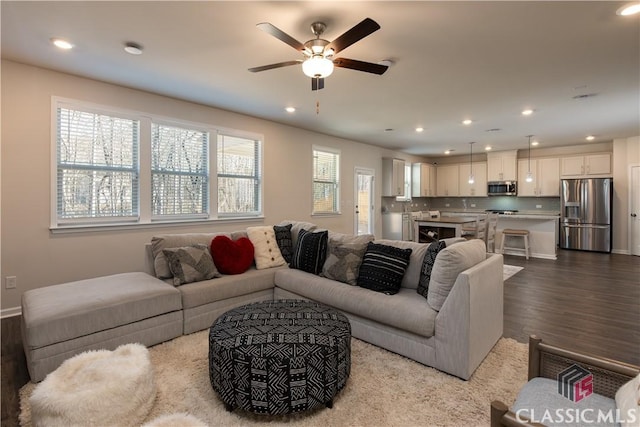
(482, 60)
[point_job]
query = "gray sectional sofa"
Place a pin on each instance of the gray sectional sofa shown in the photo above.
(453, 338)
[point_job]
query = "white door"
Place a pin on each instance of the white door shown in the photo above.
(634, 210)
(364, 197)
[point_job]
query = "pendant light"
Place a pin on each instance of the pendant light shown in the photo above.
(529, 177)
(471, 177)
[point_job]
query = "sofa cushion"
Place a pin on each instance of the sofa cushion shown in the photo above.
(383, 268)
(628, 402)
(190, 264)
(225, 287)
(344, 256)
(310, 252)
(59, 313)
(158, 243)
(284, 240)
(450, 262)
(427, 265)
(412, 275)
(405, 310)
(267, 253)
(232, 256)
(540, 401)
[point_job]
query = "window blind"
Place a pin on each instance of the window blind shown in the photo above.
(326, 183)
(179, 171)
(239, 175)
(97, 166)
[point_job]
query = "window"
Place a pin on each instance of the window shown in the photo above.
(118, 168)
(326, 181)
(179, 171)
(97, 167)
(239, 176)
(406, 197)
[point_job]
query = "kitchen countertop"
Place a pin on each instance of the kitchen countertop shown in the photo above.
(447, 220)
(520, 215)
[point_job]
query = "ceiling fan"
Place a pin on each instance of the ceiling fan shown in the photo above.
(319, 54)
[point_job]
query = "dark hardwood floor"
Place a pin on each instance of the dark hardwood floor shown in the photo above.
(589, 302)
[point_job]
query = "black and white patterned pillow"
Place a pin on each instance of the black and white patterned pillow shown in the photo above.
(284, 240)
(190, 264)
(310, 252)
(383, 268)
(427, 265)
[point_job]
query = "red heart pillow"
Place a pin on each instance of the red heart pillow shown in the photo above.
(232, 256)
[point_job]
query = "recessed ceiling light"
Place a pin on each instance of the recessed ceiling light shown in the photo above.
(419, 129)
(534, 143)
(290, 109)
(590, 138)
(133, 48)
(527, 112)
(449, 151)
(493, 130)
(629, 9)
(488, 148)
(62, 44)
(467, 122)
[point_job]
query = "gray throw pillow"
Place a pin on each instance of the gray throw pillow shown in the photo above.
(450, 262)
(344, 256)
(190, 264)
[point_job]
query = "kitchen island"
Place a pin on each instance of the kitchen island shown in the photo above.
(543, 231)
(443, 227)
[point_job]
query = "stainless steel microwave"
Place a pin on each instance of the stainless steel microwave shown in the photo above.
(502, 188)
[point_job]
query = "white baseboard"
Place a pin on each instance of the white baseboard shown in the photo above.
(620, 251)
(10, 312)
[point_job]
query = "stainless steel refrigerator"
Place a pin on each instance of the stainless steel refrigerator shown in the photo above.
(585, 214)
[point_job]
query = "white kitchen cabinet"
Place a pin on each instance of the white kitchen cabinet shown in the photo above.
(587, 165)
(546, 177)
(479, 187)
(502, 166)
(423, 180)
(447, 180)
(392, 177)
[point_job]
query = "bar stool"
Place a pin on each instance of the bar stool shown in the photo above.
(516, 233)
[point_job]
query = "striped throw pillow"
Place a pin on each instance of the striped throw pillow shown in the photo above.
(310, 252)
(383, 268)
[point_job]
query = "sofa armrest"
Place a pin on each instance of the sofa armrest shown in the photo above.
(608, 375)
(471, 319)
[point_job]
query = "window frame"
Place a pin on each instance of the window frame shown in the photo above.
(336, 182)
(259, 164)
(144, 217)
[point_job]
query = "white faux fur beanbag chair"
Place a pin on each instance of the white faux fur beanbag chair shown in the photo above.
(105, 388)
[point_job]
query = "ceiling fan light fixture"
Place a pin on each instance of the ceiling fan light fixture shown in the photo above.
(317, 67)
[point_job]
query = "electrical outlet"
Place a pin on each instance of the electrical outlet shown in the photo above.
(473, 205)
(538, 206)
(10, 282)
(446, 205)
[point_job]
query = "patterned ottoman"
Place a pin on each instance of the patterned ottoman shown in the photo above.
(278, 357)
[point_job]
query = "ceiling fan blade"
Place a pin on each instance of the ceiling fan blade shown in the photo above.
(272, 66)
(317, 83)
(354, 64)
(358, 32)
(281, 35)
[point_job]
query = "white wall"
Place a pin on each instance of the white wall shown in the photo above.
(38, 258)
(626, 152)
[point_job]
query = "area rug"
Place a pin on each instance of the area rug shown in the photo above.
(384, 389)
(510, 270)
